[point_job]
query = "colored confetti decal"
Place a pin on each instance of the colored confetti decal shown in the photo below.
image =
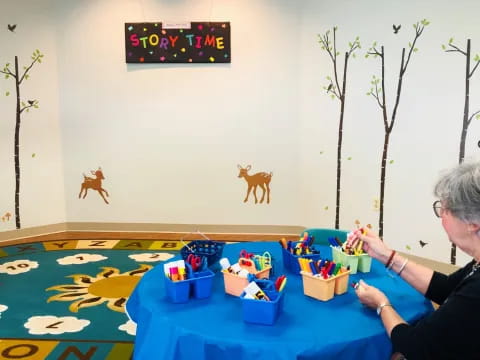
(203, 42)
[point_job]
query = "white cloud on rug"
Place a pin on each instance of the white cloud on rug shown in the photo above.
(129, 327)
(151, 257)
(54, 325)
(80, 259)
(17, 267)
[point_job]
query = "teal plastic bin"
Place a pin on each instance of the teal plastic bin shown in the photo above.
(321, 235)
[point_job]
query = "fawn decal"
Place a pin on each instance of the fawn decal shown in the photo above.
(261, 179)
(94, 184)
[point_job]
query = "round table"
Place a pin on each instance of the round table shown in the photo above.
(213, 328)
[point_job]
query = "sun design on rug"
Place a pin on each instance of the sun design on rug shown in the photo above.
(108, 286)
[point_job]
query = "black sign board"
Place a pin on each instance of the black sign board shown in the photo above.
(195, 42)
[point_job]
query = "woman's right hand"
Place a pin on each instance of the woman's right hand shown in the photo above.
(372, 244)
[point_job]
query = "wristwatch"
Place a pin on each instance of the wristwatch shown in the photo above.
(381, 306)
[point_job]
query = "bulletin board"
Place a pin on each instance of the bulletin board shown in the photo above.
(193, 42)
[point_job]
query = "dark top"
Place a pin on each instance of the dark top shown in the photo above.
(453, 330)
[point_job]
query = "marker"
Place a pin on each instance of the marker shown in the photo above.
(174, 273)
(280, 283)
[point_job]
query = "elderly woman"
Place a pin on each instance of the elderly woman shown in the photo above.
(452, 331)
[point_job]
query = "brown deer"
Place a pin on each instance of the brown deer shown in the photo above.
(93, 183)
(261, 179)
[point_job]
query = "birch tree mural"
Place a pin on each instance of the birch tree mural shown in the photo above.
(339, 92)
(467, 116)
(21, 106)
(378, 92)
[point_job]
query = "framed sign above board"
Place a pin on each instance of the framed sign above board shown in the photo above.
(195, 42)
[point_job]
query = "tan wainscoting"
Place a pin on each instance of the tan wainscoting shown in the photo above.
(147, 231)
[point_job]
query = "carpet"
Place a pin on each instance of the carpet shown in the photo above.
(64, 300)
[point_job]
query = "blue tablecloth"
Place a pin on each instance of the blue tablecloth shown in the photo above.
(213, 328)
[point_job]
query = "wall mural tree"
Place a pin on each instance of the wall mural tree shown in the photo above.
(333, 88)
(467, 116)
(21, 106)
(378, 92)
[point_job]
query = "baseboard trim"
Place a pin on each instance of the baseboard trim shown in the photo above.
(126, 231)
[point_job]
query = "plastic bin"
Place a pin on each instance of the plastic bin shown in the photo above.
(235, 284)
(341, 283)
(212, 250)
(260, 311)
(362, 263)
(202, 284)
(290, 261)
(324, 289)
(317, 287)
(177, 291)
(198, 285)
(339, 256)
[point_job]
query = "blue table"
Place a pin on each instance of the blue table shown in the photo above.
(213, 328)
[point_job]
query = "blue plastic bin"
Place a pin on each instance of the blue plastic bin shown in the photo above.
(202, 284)
(290, 261)
(177, 291)
(262, 312)
(198, 285)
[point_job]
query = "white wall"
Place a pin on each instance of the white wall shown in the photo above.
(425, 139)
(169, 137)
(41, 178)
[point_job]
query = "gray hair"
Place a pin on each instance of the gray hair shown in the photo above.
(459, 191)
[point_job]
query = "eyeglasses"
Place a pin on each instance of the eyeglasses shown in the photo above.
(437, 208)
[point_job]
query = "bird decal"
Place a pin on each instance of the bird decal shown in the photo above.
(422, 244)
(396, 28)
(12, 27)
(31, 102)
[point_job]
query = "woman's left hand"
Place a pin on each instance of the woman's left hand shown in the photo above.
(369, 295)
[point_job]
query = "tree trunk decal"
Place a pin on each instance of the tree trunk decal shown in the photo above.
(467, 118)
(21, 106)
(338, 92)
(378, 92)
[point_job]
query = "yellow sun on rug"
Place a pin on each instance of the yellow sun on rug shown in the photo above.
(108, 286)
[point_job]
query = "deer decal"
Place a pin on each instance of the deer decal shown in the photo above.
(93, 183)
(261, 179)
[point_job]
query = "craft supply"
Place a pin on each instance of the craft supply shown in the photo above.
(253, 290)
(280, 283)
(225, 264)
